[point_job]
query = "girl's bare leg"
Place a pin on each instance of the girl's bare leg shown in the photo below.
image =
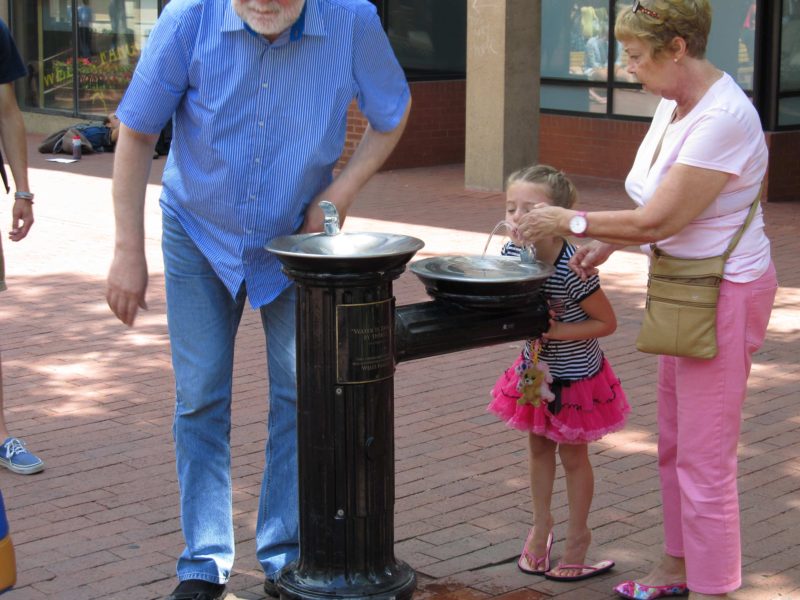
(542, 464)
(580, 489)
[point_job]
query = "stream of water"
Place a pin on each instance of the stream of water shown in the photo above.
(528, 251)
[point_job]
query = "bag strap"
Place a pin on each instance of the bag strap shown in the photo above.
(738, 235)
(746, 223)
(661, 140)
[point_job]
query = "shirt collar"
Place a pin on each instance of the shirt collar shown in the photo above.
(310, 21)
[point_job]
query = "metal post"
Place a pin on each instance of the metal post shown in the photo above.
(345, 372)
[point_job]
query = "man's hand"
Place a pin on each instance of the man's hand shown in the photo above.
(21, 220)
(371, 152)
(126, 285)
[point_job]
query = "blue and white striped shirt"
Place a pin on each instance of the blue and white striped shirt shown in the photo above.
(258, 126)
(569, 360)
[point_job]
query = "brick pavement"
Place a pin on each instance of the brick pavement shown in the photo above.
(95, 400)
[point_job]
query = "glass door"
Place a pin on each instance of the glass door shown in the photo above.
(80, 57)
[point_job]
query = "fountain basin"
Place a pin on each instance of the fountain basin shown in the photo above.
(344, 252)
(482, 281)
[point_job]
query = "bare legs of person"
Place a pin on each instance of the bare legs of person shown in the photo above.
(542, 466)
(672, 570)
(580, 489)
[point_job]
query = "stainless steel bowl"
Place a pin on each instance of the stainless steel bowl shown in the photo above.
(482, 281)
(344, 252)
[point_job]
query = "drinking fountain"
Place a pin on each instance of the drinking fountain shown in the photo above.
(350, 336)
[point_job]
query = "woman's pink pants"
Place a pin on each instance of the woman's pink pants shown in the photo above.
(699, 418)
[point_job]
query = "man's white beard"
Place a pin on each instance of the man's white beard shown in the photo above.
(269, 18)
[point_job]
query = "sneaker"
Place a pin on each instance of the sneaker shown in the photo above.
(16, 458)
(197, 589)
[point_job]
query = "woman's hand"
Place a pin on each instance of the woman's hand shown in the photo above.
(543, 221)
(589, 256)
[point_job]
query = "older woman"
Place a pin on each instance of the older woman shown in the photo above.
(697, 171)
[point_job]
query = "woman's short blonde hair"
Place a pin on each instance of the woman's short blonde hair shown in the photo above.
(559, 187)
(687, 19)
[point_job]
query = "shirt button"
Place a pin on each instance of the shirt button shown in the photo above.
(252, 196)
(261, 123)
(258, 160)
(248, 231)
(244, 261)
(265, 85)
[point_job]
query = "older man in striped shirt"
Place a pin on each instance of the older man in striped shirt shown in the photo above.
(259, 90)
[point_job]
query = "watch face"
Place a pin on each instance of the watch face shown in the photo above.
(578, 224)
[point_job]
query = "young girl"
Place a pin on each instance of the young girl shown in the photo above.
(561, 389)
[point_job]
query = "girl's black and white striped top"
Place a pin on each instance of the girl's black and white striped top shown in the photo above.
(574, 359)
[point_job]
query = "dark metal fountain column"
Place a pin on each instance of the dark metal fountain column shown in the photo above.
(345, 370)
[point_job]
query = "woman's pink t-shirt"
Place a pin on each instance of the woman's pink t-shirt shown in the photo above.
(723, 133)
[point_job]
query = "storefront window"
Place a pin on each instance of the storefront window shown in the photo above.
(790, 47)
(104, 44)
(576, 47)
(789, 103)
(429, 38)
(567, 29)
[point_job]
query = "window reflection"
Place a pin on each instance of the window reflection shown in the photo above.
(733, 53)
(104, 46)
(429, 38)
(576, 46)
(790, 47)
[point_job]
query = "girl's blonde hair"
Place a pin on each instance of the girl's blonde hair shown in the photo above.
(559, 188)
(687, 19)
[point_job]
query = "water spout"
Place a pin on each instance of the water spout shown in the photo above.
(528, 254)
(331, 222)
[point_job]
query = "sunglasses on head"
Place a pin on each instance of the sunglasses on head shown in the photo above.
(637, 7)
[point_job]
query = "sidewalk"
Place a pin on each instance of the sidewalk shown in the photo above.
(95, 400)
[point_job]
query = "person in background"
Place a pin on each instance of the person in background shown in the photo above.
(561, 390)
(117, 16)
(258, 94)
(748, 33)
(14, 456)
(595, 62)
(103, 138)
(696, 174)
(95, 136)
(85, 18)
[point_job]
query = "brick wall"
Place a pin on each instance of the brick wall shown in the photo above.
(435, 131)
(783, 179)
(586, 146)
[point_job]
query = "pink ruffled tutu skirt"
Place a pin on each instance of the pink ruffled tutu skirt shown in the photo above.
(573, 412)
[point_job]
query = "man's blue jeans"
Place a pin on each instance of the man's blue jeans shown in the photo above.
(203, 319)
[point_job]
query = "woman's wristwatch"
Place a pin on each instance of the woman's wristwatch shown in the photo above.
(578, 224)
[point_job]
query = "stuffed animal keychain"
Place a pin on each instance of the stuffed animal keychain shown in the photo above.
(534, 379)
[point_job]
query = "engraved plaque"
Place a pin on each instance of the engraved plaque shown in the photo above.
(364, 342)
